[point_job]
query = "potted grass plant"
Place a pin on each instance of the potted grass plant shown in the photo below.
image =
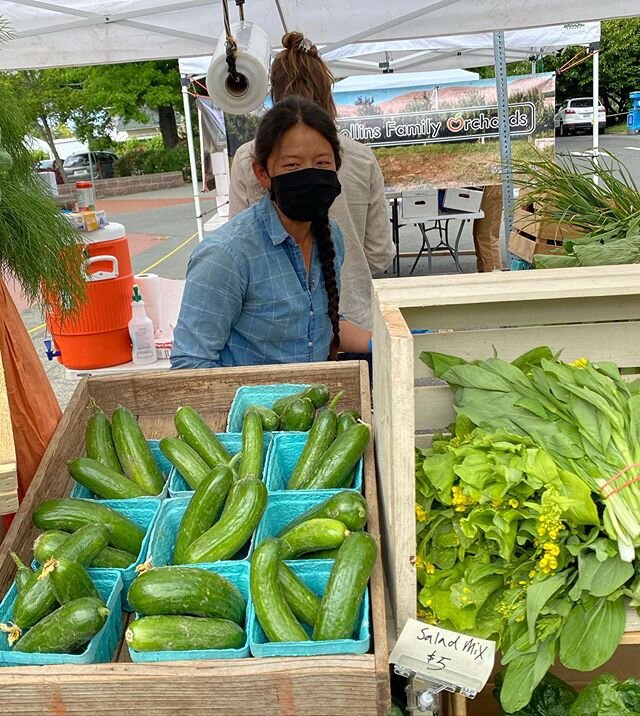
(597, 195)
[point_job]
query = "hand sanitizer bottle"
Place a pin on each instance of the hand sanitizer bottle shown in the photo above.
(141, 332)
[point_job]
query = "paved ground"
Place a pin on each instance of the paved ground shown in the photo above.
(161, 229)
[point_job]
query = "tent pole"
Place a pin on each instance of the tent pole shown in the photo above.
(595, 48)
(504, 135)
(184, 81)
(201, 137)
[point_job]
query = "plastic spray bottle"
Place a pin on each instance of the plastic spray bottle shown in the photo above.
(141, 332)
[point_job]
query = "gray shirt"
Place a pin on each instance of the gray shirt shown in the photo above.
(361, 211)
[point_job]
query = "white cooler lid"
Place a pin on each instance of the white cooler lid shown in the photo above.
(110, 232)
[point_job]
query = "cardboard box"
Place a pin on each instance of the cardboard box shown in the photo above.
(419, 204)
(87, 220)
(463, 199)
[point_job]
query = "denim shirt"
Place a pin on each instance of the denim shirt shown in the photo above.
(247, 300)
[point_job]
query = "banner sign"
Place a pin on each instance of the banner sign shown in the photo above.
(447, 135)
(443, 126)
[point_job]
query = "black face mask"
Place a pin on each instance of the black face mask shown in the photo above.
(306, 194)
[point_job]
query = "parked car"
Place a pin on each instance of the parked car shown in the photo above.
(50, 165)
(575, 115)
(77, 165)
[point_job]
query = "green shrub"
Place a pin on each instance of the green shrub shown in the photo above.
(146, 157)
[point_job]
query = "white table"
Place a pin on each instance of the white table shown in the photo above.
(71, 374)
(421, 222)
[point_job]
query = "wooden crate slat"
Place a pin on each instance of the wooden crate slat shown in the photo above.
(508, 286)
(8, 468)
(575, 341)
(314, 686)
(433, 407)
(210, 390)
(394, 419)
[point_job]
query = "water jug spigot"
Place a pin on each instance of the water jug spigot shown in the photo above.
(48, 349)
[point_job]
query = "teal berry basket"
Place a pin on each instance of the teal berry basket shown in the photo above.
(178, 486)
(81, 492)
(283, 456)
(163, 538)
(238, 574)
(144, 512)
(99, 650)
(284, 507)
(264, 395)
(315, 574)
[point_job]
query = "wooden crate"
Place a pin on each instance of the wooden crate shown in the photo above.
(533, 235)
(591, 312)
(305, 686)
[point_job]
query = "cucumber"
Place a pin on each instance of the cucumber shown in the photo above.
(24, 574)
(298, 415)
(200, 437)
(270, 419)
(252, 446)
(203, 509)
(321, 435)
(70, 580)
(186, 590)
(183, 633)
(67, 629)
(37, 599)
(312, 535)
(348, 580)
(318, 394)
(303, 602)
(347, 506)
(274, 614)
(348, 482)
(322, 554)
(48, 542)
(186, 460)
(69, 514)
(102, 481)
(340, 459)
(346, 420)
(133, 451)
(99, 441)
(245, 505)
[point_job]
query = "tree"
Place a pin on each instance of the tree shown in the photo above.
(128, 89)
(47, 100)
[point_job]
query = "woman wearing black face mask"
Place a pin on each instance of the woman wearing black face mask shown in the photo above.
(264, 288)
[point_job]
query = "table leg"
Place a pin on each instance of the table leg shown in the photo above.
(395, 234)
(456, 258)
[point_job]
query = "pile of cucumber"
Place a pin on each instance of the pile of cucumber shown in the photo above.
(296, 411)
(185, 608)
(58, 608)
(197, 449)
(282, 600)
(119, 464)
(319, 532)
(222, 514)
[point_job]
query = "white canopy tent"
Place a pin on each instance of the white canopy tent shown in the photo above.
(456, 51)
(55, 33)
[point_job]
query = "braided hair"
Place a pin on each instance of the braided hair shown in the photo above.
(275, 123)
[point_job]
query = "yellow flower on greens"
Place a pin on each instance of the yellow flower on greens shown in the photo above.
(421, 514)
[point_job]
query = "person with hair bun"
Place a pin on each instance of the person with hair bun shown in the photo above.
(265, 287)
(361, 211)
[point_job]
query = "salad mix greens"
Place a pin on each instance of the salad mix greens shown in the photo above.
(516, 541)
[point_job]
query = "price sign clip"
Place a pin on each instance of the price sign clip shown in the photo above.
(436, 660)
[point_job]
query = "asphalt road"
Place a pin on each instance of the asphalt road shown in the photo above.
(625, 147)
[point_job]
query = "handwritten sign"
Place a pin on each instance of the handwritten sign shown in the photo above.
(454, 660)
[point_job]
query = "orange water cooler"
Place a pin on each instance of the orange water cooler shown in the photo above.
(97, 335)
